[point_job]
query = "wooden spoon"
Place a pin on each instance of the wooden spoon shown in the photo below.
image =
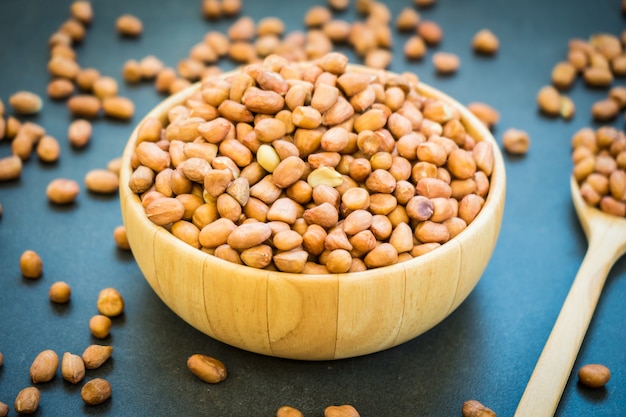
(606, 235)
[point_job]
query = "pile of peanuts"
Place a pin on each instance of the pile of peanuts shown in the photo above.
(599, 159)
(597, 61)
(311, 168)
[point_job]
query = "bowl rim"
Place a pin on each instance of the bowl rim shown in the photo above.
(495, 197)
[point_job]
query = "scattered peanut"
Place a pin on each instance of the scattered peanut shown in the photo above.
(102, 181)
(207, 368)
(44, 366)
(485, 113)
(100, 326)
(110, 302)
(31, 264)
(95, 355)
(485, 42)
(120, 238)
(473, 408)
(10, 168)
(48, 149)
(62, 191)
(446, 62)
(288, 411)
(515, 141)
(72, 368)
(79, 133)
(96, 391)
(594, 375)
(4, 409)
(27, 400)
(129, 25)
(60, 88)
(25, 102)
(341, 411)
(60, 292)
(549, 100)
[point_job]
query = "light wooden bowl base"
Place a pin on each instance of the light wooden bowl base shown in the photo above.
(313, 317)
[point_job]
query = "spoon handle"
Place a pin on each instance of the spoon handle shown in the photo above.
(547, 382)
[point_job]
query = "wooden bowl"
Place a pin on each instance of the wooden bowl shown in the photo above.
(313, 317)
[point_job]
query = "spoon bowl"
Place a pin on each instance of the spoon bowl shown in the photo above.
(606, 236)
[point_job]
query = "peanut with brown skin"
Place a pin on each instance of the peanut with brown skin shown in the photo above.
(4, 409)
(60, 292)
(44, 366)
(206, 368)
(473, 408)
(100, 326)
(31, 264)
(129, 25)
(72, 368)
(341, 411)
(25, 102)
(27, 400)
(120, 238)
(96, 391)
(62, 191)
(10, 168)
(288, 411)
(95, 355)
(110, 302)
(485, 42)
(594, 375)
(516, 141)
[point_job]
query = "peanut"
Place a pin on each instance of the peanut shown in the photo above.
(82, 11)
(25, 102)
(118, 107)
(60, 292)
(79, 133)
(62, 191)
(85, 106)
(473, 408)
(288, 411)
(72, 368)
(120, 238)
(100, 326)
(4, 409)
(10, 168)
(60, 88)
(27, 400)
(95, 355)
(594, 375)
(129, 25)
(341, 411)
(110, 302)
(96, 391)
(206, 368)
(563, 75)
(485, 42)
(604, 110)
(31, 264)
(415, 48)
(44, 367)
(48, 149)
(549, 100)
(516, 141)
(101, 181)
(430, 31)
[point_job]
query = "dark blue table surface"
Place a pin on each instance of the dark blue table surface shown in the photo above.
(486, 350)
